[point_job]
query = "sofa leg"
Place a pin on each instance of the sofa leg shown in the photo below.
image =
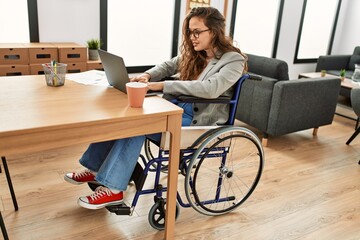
(264, 141)
(315, 130)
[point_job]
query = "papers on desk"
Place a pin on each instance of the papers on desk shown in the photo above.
(91, 77)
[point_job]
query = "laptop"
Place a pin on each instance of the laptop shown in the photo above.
(116, 72)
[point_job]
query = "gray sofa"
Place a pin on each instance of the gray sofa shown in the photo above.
(277, 105)
(334, 63)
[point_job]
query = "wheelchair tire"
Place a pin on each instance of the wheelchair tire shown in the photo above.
(151, 153)
(224, 171)
(148, 149)
(157, 212)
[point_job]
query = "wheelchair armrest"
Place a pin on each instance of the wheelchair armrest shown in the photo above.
(189, 136)
(254, 77)
(191, 99)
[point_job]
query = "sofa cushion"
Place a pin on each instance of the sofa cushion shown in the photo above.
(332, 62)
(348, 73)
(268, 67)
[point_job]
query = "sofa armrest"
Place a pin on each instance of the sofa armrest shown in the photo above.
(303, 104)
(332, 62)
(254, 103)
(268, 67)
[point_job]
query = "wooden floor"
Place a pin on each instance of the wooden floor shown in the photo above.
(310, 189)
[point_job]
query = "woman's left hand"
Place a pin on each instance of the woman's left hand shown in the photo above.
(156, 86)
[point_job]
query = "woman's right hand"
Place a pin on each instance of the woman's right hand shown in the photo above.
(144, 77)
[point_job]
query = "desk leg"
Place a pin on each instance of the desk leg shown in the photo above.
(174, 127)
(8, 178)
(3, 228)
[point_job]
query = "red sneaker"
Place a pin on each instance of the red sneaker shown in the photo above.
(102, 197)
(80, 177)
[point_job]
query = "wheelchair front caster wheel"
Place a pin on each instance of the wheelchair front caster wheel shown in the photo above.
(157, 214)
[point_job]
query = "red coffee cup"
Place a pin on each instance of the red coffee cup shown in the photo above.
(136, 92)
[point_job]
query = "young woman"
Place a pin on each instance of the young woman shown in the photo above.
(208, 66)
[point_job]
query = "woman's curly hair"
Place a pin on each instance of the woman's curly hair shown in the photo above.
(193, 62)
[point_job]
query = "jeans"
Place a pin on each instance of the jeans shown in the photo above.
(115, 160)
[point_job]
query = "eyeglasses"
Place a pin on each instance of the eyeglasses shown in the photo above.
(195, 33)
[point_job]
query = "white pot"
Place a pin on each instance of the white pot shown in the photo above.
(93, 54)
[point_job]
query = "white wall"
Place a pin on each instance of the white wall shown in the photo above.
(73, 22)
(348, 31)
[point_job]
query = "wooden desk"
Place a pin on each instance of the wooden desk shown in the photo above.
(35, 117)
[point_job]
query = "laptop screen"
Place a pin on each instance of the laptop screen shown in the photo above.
(115, 70)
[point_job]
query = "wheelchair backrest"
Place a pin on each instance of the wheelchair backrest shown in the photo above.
(233, 103)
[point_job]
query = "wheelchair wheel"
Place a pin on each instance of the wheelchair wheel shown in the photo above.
(151, 152)
(157, 212)
(224, 171)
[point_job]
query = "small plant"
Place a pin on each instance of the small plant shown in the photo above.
(323, 73)
(94, 43)
(342, 73)
(93, 46)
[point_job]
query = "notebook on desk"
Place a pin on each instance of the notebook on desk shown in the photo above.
(116, 72)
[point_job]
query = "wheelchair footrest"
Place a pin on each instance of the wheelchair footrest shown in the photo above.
(120, 209)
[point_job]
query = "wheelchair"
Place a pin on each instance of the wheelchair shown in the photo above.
(221, 165)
